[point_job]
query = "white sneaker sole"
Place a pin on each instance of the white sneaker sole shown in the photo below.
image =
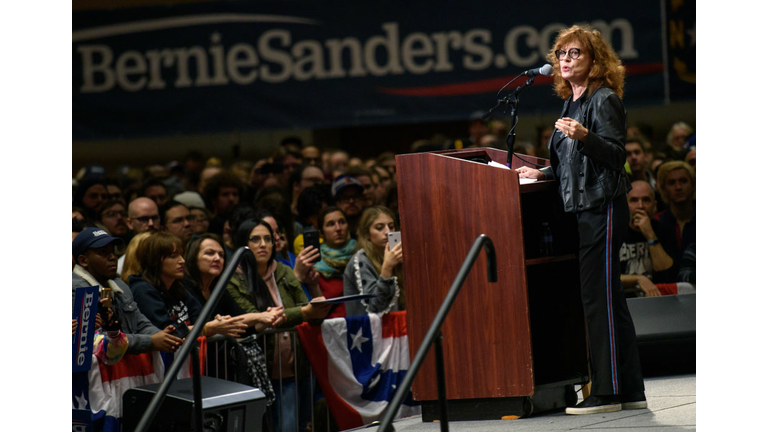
(634, 405)
(594, 410)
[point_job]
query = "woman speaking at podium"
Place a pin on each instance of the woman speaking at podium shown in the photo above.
(587, 159)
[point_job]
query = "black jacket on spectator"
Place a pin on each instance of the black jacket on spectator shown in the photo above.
(225, 306)
(162, 309)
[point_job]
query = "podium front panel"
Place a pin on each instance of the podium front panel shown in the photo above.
(445, 203)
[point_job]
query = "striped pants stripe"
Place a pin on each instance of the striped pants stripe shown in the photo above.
(614, 359)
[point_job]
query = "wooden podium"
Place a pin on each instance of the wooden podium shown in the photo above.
(512, 347)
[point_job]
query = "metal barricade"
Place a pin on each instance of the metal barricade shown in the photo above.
(218, 364)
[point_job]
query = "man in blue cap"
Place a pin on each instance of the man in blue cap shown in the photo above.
(348, 194)
(96, 265)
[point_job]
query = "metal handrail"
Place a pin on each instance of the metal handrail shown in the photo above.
(186, 348)
(434, 336)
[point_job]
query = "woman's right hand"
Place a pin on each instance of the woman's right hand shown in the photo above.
(304, 270)
(391, 259)
(526, 172)
(314, 311)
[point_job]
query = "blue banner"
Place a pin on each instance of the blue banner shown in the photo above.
(84, 313)
(222, 66)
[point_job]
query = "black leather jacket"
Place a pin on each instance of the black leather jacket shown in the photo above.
(591, 173)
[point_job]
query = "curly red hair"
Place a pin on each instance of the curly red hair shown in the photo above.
(606, 69)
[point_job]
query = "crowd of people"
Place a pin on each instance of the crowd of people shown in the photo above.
(160, 237)
(160, 243)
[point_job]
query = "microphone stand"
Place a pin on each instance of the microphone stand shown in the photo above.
(513, 103)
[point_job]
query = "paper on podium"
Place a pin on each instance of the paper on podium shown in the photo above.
(522, 180)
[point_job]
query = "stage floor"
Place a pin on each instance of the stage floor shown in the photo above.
(671, 407)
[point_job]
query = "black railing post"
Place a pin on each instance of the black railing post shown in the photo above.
(191, 341)
(197, 388)
(434, 330)
(440, 368)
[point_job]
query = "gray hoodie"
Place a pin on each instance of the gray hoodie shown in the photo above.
(360, 277)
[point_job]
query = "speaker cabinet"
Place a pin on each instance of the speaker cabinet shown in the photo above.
(666, 333)
(227, 406)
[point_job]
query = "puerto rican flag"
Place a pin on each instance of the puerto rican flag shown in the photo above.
(359, 363)
(101, 389)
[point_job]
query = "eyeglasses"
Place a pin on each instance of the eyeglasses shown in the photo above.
(146, 219)
(178, 220)
(349, 198)
(573, 53)
(257, 239)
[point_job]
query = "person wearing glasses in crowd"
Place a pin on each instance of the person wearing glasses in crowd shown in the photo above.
(143, 216)
(587, 162)
(263, 284)
(196, 206)
(347, 192)
(177, 220)
(112, 216)
(310, 155)
(202, 220)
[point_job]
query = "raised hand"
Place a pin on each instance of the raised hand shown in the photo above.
(304, 263)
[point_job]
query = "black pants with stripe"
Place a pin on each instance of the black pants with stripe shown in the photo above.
(614, 358)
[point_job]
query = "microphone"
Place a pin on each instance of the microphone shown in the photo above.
(544, 70)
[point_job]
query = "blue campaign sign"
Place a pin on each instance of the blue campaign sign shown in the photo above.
(221, 66)
(84, 313)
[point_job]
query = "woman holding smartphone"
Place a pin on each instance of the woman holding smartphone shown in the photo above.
(375, 268)
(334, 254)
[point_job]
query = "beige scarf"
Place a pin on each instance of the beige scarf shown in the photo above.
(83, 273)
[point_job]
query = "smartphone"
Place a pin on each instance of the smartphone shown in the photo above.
(312, 238)
(393, 238)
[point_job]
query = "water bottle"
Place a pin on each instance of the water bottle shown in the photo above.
(545, 243)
